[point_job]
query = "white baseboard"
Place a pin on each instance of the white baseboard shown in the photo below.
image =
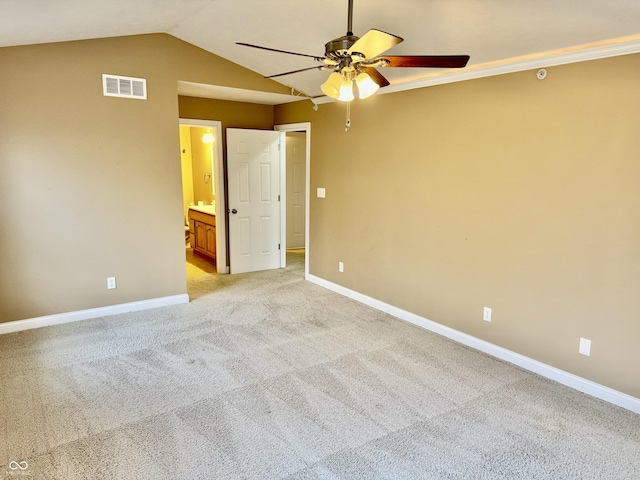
(48, 320)
(578, 383)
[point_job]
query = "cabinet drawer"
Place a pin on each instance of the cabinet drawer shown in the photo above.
(202, 217)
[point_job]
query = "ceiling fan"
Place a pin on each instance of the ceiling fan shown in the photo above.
(355, 59)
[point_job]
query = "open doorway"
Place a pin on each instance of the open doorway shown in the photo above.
(298, 155)
(203, 195)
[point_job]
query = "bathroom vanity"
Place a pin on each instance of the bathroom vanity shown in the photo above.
(202, 227)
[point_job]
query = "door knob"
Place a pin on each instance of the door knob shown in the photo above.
(234, 211)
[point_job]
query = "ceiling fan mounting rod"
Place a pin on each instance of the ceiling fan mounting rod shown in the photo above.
(350, 19)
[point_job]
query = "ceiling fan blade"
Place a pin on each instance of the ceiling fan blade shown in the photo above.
(373, 43)
(377, 77)
(321, 67)
(426, 61)
(315, 57)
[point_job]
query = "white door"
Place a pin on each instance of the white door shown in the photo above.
(296, 177)
(253, 165)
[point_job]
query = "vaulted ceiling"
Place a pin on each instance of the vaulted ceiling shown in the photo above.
(499, 35)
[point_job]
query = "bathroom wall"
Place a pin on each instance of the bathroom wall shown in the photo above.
(196, 158)
(201, 157)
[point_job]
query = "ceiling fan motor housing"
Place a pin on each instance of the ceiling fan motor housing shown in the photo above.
(337, 48)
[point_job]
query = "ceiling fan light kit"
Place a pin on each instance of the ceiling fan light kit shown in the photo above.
(354, 60)
(366, 86)
(331, 88)
(340, 86)
(346, 91)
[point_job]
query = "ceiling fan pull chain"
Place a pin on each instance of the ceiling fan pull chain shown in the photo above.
(348, 124)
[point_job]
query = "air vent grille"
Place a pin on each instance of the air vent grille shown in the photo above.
(126, 87)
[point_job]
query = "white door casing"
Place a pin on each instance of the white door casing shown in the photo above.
(253, 165)
(302, 127)
(296, 195)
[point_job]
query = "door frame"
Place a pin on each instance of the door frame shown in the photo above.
(297, 127)
(219, 177)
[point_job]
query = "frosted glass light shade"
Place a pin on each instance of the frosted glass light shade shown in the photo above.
(331, 88)
(346, 91)
(366, 86)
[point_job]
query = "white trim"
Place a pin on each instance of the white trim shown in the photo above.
(282, 191)
(57, 319)
(550, 59)
(221, 206)
(303, 127)
(570, 380)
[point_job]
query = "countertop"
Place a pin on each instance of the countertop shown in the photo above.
(208, 209)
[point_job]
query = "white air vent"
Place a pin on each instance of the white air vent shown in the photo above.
(127, 87)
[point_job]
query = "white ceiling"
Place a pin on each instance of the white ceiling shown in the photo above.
(499, 35)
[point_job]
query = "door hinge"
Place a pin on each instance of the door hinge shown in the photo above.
(278, 197)
(278, 246)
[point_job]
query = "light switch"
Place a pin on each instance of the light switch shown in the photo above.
(585, 347)
(321, 193)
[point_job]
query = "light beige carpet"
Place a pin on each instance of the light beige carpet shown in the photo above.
(266, 376)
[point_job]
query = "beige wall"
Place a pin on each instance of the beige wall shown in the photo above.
(508, 192)
(230, 114)
(90, 185)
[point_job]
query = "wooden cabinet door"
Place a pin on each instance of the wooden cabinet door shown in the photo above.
(211, 240)
(201, 236)
(204, 234)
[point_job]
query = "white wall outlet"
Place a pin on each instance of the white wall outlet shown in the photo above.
(321, 192)
(111, 283)
(486, 314)
(340, 267)
(585, 347)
